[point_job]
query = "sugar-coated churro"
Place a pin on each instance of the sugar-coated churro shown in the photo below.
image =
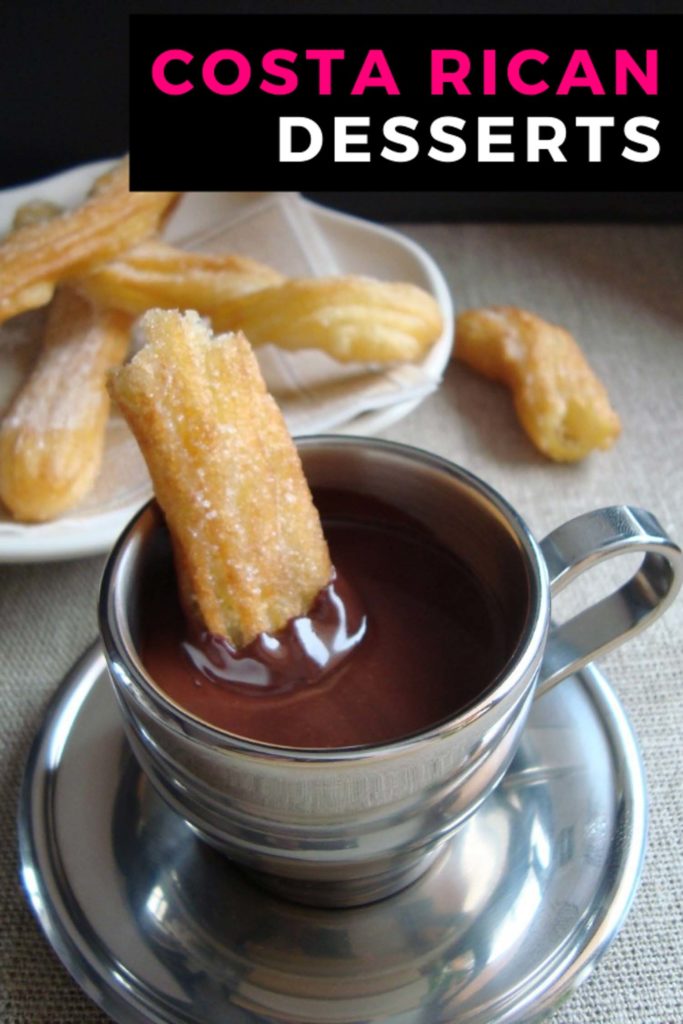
(34, 257)
(157, 274)
(248, 544)
(51, 439)
(561, 404)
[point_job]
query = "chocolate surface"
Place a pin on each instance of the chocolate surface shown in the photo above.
(402, 638)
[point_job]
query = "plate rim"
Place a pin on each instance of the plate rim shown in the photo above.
(566, 970)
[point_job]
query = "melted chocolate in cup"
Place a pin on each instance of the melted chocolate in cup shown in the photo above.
(308, 648)
(404, 637)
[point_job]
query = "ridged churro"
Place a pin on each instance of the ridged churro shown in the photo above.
(155, 274)
(350, 318)
(248, 544)
(560, 402)
(52, 438)
(34, 257)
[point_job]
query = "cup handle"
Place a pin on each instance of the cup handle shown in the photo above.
(582, 543)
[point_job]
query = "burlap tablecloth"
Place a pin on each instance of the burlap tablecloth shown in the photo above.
(620, 289)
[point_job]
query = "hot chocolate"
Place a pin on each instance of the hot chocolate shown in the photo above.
(403, 637)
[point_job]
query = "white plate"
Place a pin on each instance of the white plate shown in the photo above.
(352, 245)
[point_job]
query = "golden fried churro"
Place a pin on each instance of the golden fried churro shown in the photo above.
(52, 438)
(560, 402)
(248, 544)
(35, 211)
(36, 256)
(157, 274)
(350, 318)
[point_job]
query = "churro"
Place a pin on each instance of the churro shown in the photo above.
(350, 318)
(35, 256)
(562, 405)
(248, 544)
(155, 274)
(34, 211)
(52, 438)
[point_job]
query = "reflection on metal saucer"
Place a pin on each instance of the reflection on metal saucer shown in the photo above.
(158, 927)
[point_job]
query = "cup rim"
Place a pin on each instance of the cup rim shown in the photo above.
(127, 669)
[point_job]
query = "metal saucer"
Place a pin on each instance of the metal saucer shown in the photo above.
(510, 919)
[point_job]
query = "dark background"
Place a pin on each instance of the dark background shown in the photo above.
(64, 89)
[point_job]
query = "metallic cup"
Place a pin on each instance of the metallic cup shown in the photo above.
(341, 827)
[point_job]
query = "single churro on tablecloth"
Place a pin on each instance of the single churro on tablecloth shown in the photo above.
(247, 539)
(561, 403)
(52, 438)
(41, 252)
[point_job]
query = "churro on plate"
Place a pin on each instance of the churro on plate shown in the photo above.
(52, 438)
(106, 255)
(35, 211)
(353, 319)
(156, 274)
(38, 254)
(247, 539)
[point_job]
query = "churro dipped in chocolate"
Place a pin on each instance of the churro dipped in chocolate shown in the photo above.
(52, 438)
(249, 550)
(35, 256)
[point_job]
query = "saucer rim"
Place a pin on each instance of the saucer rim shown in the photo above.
(39, 858)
